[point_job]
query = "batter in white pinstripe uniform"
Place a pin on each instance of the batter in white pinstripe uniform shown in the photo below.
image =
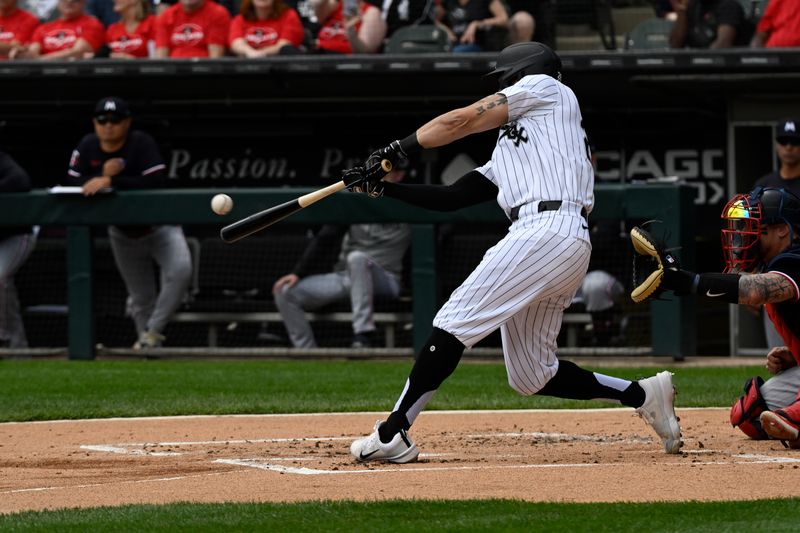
(541, 175)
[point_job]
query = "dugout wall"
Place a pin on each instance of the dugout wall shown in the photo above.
(673, 333)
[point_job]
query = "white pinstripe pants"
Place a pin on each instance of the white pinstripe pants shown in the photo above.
(522, 285)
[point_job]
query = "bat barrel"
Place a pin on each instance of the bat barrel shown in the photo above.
(263, 219)
(258, 221)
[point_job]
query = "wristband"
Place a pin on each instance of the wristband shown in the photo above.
(720, 286)
(410, 144)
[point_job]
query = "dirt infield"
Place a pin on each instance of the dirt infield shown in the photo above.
(577, 456)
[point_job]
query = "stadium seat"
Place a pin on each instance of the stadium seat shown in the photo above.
(651, 34)
(420, 39)
(596, 14)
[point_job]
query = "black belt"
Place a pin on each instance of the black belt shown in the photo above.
(545, 205)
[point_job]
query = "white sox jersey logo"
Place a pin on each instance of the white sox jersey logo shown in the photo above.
(258, 37)
(187, 35)
(515, 134)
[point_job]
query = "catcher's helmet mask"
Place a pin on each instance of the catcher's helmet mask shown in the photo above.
(523, 59)
(747, 217)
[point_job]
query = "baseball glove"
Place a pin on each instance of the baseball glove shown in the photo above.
(649, 263)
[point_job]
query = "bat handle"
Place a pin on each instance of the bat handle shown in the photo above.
(386, 165)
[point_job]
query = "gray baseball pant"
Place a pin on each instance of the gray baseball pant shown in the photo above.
(136, 260)
(14, 251)
(362, 280)
(781, 389)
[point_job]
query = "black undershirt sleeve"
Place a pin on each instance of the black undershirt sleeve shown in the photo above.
(470, 189)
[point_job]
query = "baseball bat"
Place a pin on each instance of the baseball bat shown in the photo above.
(263, 219)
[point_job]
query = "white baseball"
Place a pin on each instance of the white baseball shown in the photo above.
(221, 204)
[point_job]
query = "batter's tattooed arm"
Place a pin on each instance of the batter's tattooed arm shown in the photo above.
(491, 101)
(757, 289)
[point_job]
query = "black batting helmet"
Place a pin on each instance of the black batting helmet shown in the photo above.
(779, 205)
(523, 59)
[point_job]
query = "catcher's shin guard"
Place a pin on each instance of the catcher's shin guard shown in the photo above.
(746, 411)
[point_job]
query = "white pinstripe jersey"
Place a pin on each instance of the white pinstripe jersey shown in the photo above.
(542, 152)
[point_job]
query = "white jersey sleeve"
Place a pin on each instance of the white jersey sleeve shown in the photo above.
(532, 96)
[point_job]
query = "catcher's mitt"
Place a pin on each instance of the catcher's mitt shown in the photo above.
(649, 261)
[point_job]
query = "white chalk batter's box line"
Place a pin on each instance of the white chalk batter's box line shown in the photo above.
(411, 468)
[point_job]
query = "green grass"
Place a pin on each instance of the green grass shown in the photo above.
(421, 516)
(56, 389)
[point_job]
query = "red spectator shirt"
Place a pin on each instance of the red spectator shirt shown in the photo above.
(120, 40)
(17, 27)
(189, 34)
(781, 20)
(332, 36)
(63, 34)
(263, 33)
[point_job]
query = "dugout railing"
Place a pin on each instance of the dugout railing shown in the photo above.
(672, 321)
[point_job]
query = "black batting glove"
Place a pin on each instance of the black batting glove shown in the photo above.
(374, 163)
(356, 181)
(353, 179)
(394, 153)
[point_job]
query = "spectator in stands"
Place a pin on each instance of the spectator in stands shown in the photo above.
(349, 27)
(192, 28)
(709, 24)
(521, 23)
(44, 10)
(370, 264)
(16, 28)
(75, 35)
(399, 13)
(474, 25)
(265, 28)
(134, 35)
(113, 156)
(779, 26)
(16, 244)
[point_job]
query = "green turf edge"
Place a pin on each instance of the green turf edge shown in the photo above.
(51, 390)
(774, 515)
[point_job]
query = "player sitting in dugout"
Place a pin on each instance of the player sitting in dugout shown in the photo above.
(761, 244)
